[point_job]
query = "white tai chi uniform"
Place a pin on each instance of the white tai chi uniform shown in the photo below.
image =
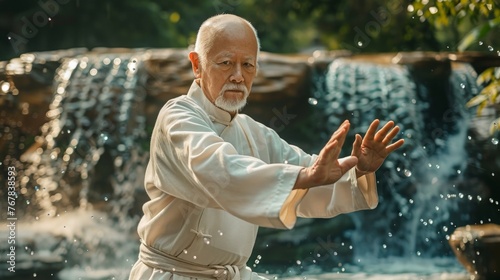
(214, 180)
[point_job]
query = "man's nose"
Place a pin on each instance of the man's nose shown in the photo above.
(237, 75)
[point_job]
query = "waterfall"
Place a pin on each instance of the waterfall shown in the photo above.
(96, 124)
(419, 199)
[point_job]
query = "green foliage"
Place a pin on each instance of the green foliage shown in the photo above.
(477, 33)
(469, 22)
(284, 26)
(489, 95)
(453, 19)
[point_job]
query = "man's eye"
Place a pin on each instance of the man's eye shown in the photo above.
(248, 65)
(225, 62)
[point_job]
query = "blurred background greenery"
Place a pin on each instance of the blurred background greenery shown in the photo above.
(284, 26)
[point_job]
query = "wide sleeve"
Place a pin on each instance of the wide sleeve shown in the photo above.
(191, 162)
(346, 195)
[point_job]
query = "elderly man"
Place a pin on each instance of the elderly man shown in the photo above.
(215, 175)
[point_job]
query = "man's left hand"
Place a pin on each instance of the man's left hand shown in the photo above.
(374, 148)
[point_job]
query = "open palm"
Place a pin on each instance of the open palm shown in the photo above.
(374, 148)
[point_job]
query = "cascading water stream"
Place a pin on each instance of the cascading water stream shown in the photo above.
(79, 181)
(418, 198)
(95, 116)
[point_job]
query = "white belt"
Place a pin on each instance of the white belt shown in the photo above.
(155, 258)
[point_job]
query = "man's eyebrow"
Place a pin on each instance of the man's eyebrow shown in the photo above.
(224, 54)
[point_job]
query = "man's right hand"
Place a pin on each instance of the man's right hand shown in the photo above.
(328, 168)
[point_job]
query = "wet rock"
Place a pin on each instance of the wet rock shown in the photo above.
(477, 248)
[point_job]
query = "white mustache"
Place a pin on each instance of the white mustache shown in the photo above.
(238, 87)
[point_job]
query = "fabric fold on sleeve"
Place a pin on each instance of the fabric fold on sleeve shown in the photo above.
(347, 195)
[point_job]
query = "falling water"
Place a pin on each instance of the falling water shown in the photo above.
(419, 200)
(96, 115)
(91, 156)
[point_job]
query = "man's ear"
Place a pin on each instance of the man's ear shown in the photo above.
(195, 64)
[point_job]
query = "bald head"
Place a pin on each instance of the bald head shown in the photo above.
(225, 26)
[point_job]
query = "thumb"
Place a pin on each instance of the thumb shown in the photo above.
(356, 146)
(347, 163)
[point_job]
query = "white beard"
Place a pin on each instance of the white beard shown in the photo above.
(230, 105)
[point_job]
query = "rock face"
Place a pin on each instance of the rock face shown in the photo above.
(477, 248)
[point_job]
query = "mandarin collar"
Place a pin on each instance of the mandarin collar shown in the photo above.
(215, 113)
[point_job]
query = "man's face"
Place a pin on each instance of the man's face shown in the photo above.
(230, 66)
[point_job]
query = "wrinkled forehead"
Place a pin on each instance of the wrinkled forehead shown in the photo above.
(231, 40)
(232, 35)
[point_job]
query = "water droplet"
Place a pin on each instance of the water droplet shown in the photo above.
(384, 246)
(34, 274)
(490, 48)
(469, 137)
(194, 257)
(418, 253)
(494, 141)
(105, 198)
(312, 101)
(437, 208)
(298, 262)
(360, 43)
(407, 173)
(492, 174)
(480, 43)
(459, 171)
(462, 85)
(410, 201)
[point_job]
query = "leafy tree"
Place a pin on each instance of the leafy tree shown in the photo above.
(471, 25)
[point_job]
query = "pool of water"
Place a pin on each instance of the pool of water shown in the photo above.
(380, 269)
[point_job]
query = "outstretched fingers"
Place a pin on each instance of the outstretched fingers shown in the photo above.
(388, 138)
(380, 135)
(394, 146)
(370, 133)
